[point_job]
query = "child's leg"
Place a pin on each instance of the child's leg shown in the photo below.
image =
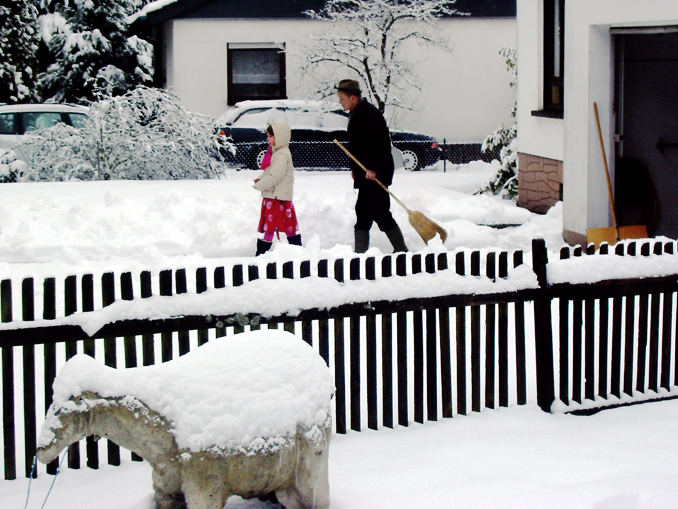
(268, 236)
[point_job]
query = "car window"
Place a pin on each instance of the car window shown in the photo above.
(257, 117)
(300, 119)
(40, 120)
(7, 123)
(334, 121)
(77, 119)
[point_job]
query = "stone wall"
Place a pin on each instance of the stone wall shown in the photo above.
(540, 182)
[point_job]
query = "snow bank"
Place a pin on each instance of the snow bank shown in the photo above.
(299, 294)
(590, 269)
(245, 393)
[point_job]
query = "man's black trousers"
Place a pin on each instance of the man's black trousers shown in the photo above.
(373, 206)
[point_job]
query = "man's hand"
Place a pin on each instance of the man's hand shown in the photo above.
(370, 175)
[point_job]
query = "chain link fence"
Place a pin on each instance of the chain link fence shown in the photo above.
(412, 155)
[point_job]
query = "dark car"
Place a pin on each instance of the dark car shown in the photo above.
(314, 127)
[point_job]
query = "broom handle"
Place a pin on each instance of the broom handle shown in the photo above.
(607, 171)
(375, 179)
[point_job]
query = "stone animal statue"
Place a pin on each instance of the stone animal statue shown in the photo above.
(239, 439)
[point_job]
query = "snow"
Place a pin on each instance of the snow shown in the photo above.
(515, 458)
(518, 457)
(603, 267)
(246, 394)
(300, 294)
(76, 227)
(148, 9)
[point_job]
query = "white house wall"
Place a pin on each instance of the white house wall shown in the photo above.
(537, 135)
(589, 69)
(465, 95)
(589, 77)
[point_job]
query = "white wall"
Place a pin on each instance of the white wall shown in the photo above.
(589, 69)
(589, 77)
(536, 135)
(465, 95)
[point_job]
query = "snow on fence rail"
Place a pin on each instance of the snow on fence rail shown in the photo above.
(490, 335)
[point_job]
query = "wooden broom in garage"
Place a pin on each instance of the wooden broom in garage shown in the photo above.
(426, 228)
(614, 233)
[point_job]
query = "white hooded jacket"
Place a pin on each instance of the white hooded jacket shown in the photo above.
(277, 182)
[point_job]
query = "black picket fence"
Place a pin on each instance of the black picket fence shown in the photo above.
(394, 362)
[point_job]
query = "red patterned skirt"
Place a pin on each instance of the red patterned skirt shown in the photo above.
(277, 215)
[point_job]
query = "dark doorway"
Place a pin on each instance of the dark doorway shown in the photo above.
(646, 167)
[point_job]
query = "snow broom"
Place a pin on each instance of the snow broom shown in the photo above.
(614, 233)
(426, 228)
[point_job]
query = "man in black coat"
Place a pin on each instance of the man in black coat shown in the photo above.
(370, 142)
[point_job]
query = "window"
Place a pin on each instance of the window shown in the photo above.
(42, 120)
(554, 38)
(256, 71)
(7, 123)
(77, 119)
(554, 59)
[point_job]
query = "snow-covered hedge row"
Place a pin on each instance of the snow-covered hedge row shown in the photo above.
(143, 135)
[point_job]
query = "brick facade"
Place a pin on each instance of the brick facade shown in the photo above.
(540, 182)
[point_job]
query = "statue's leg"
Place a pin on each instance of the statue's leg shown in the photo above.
(311, 489)
(203, 491)
(167, 488)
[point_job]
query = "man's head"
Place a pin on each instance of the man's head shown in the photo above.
(349, 93)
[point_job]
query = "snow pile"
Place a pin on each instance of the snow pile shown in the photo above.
(247, 393)
(76, 227)
(590, 269)
(300, 294)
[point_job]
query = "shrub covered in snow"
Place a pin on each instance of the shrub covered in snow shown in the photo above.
(143, 134)
(11, 168)
(505, 181)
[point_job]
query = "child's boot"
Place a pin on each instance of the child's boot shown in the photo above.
(262, 246)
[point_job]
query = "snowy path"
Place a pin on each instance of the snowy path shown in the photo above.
(71, 227)
(514, 458)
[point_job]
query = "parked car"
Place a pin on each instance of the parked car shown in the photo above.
(314, 126)
(18, 120)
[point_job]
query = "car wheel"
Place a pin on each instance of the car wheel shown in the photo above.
(411, 160)
(258, 159)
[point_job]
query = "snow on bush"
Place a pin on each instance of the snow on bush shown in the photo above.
(244, 393)
(143, 134)
(11, 168)
(505, 181)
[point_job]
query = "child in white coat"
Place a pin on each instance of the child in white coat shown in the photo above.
(276, 185)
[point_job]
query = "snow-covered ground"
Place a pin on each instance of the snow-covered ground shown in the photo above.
(516, 457)
(519, 458)
(76, 227)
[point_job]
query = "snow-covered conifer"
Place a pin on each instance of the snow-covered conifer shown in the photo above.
(19, 38)
(367, 41)
(94, 55)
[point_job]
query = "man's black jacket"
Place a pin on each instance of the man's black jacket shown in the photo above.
(369, 141)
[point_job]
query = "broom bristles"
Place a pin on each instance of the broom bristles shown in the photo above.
(426, 228)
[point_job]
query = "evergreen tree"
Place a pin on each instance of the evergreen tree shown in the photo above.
(19, 38)
(94, 56)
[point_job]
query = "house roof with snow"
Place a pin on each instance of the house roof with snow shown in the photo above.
(163, 10)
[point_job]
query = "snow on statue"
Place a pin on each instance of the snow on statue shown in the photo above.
(245, 415)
